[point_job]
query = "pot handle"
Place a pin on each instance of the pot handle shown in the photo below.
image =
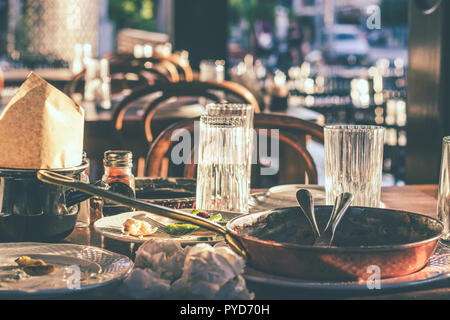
(58, 179)
(74, 197)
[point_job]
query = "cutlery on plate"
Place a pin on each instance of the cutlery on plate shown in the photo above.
(341, 205)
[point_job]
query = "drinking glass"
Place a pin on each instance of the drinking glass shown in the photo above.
(354, 163)
(246, 111)
(443, 208)
(222, 172)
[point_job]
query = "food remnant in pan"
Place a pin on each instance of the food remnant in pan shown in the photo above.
(25, 261)
(34, 267)
(137, 228)
(39, 270)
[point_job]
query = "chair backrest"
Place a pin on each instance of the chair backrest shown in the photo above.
(2, 80)
(205, 89)
(290, 131)
(181, 65)
(125, 77)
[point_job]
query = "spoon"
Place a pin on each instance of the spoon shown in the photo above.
(341, 205)
(306, 203)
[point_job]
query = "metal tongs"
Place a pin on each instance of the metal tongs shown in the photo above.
(306, 203)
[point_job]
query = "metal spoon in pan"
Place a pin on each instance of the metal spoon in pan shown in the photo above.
(306, 202)
(341, 205)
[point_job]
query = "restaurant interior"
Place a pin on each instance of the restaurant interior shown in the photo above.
(224, 150)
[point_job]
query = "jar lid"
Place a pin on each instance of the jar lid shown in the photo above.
(118, 158)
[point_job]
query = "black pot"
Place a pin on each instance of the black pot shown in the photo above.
(31, 210)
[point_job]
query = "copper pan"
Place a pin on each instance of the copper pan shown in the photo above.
(294, 260)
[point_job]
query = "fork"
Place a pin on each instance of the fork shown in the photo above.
(156, 224)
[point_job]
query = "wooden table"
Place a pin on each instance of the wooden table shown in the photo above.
(419, 199)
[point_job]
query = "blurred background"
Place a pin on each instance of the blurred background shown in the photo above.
(337, 61)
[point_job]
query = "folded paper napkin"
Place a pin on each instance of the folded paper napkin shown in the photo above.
(165, 270)
(41, 128)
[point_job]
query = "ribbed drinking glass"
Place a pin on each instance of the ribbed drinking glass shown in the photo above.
(223, 178)
(354, 163)
(247, 112)
(443, 208)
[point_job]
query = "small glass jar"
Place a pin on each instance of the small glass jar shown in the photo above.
(118, 176)
(83, 219)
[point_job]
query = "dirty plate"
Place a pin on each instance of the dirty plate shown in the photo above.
(77, 268)
(111, 227)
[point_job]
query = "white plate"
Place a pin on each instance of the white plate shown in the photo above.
(437, 269)
(111, 227)
(97, 267)
(284, 196)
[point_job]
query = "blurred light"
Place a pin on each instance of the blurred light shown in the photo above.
(241, 68)
(365, 100)
(309, 86)
(399, 63)
(87, 53)
(360, 92)
(391, 137)
(378, 83)
(379, 120)
(401, 113)
(148, 51)
(378, 98)
(320, 81)
(164, 49)
(77, 63)
(138, 51)
(147, 9)
(294, 73)
(355, 95)
(383, 66)
(399, 72)
(309, 101)
(104, 68)
(363, 86)
(402, 138)
(373, 72)
(379, 111)
(148, 65)
(305, 69)
(260, 69)
(279, 79)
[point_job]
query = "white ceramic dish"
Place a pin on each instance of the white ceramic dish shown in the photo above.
(77, 268)
(111, 227)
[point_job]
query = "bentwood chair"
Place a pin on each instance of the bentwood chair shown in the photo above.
(175, 64)
(124, 77)
(291, 131)
(177, 95)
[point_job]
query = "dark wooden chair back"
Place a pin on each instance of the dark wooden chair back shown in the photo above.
(124, 77)
(142, 136)
(291, 131)
(2, 80)
(205, 89)
(174, 63)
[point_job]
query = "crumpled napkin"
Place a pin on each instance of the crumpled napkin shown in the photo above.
(165, 270)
